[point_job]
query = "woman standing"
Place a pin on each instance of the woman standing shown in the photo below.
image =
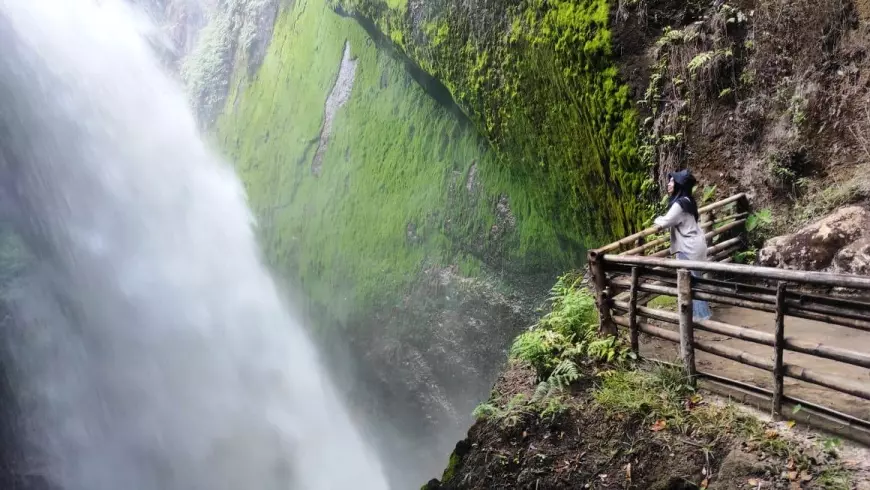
(687, 237)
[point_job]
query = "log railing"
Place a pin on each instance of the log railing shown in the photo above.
(626, 270)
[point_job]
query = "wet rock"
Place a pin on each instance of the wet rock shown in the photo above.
(854, 258)
(338, 97)
(836, 242)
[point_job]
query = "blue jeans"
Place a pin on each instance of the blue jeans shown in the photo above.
(700, 309)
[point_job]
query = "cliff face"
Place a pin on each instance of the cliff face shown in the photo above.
(420, 170)
(764, 96)
(418, 254)
(539, 81)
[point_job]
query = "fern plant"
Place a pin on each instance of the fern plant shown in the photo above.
(699, 61)
(573, 309)
(564, 338)
(540, 348)
(508, 415)
(565, 373)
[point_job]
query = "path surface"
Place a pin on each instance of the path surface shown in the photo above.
(833, 335)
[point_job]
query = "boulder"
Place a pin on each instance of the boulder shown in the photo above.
(854, 258)
(840, 242)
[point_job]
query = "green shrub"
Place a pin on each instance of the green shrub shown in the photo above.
(565, 337)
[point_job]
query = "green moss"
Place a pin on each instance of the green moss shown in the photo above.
(404, 185)
(538, 79)
(452, 465)
(663, 303)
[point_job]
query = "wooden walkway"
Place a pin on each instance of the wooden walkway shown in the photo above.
(774, 333)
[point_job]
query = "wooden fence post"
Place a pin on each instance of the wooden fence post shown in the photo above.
(684, 301)
(743, 206)
(632, 310)
(779, 345)
(606, 326)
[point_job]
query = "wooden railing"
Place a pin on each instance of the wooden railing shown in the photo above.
(627, 273)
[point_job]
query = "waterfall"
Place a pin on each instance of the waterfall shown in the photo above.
(156, 352)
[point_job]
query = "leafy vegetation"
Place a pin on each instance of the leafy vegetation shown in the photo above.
(759, 226)
(508, 415)
(566, 335)
(663, 394)
(556, 347)
(695, 69)
(558, 344)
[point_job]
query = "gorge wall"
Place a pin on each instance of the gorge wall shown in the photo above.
(420, 249)
(421, 171)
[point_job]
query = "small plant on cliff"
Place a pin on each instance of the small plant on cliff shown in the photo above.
(573, 308)
(508, 415)
(758, 226)
(563, 338)
(542, 349)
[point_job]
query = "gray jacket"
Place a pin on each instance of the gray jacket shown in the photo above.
(686, 234)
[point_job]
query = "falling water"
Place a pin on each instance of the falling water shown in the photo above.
(167, 360)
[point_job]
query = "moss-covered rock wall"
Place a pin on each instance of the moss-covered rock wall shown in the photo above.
(538, 79)
(421, 183)
(401, 183)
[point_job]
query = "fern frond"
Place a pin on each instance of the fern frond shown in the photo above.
(565, 373)
(542, 392)
(699, 61)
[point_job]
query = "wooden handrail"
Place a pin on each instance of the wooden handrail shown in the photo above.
(705, 224)
(769, 273)
(854, 358)
(757, 292)
(790, 370)
(797, 312)
(655, 274)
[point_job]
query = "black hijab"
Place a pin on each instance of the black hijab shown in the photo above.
(684, 182)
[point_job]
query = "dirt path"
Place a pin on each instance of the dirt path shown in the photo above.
(797, 328)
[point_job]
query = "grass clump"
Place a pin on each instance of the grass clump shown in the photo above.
(835, 479)
(663, 303)
(663, 395)
(820, 197)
